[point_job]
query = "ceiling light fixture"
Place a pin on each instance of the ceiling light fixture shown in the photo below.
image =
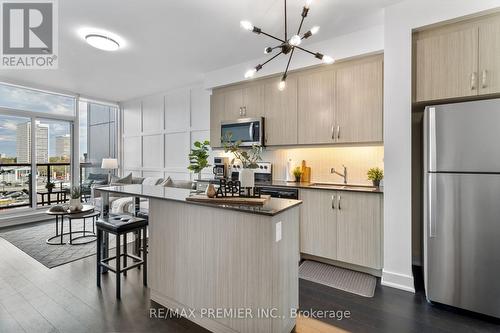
(102, 42)
(286, 46)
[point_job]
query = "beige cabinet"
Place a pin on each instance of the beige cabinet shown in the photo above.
(359, 229)
(341, 103)
(217, 115)
(253, 100)
(342, 225)
(318, 223)
(280, 112)
(458, 60)
(315, 106)
(446, 64)
(489, 56)
(358, 101)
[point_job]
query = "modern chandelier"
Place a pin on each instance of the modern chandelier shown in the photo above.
(287, 45)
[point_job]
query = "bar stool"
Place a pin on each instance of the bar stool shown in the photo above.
(119, 225)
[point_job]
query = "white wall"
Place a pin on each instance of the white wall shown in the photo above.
(400, 19)
(361, 42)
(158, 131)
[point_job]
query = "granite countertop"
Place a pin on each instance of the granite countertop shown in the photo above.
(324, 186)
(273, 206)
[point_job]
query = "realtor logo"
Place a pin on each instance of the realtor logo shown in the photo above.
(29, 34)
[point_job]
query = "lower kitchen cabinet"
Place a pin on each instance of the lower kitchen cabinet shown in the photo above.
(318, 223)
(343, 226)
(359, 225)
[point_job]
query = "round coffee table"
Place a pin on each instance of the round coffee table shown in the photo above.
(86, 209)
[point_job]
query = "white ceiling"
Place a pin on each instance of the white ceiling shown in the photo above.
(172, 43)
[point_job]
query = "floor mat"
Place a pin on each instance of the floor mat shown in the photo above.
(344, 279)
(31, 240)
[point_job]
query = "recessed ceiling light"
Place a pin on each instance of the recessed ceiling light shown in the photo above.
(102, 42)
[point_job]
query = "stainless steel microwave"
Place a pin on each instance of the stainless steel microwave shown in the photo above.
(250, 131)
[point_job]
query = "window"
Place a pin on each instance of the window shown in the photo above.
(18, 98)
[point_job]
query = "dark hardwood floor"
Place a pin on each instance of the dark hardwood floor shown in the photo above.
(34, 298)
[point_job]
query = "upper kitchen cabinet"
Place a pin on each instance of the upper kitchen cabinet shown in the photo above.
(457, 60)
(358, 98)
(244, 101)
(315, 106)
(489, 56)
(217, 115)
(280, 112)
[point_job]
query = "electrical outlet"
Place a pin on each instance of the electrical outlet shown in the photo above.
(278, 231)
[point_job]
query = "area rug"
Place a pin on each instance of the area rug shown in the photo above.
(31, 240)
(344, 279)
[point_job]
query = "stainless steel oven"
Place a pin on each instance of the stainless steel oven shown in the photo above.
(249, 131)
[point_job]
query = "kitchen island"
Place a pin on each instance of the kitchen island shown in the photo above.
(228, 268)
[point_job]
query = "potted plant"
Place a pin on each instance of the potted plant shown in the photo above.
(248, 159)
(198, 157)
(375, 175)
(297, 173)
(50, 186)
(75, 203)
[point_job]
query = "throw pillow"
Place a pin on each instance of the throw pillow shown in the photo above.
(152, 181)
(120, 181)
(187, 184)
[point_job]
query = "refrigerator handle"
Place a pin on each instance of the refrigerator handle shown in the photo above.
(431, 139)
(432, 205)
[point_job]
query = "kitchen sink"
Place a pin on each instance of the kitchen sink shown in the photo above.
(332, 186)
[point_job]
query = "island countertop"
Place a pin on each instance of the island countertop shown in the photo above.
(273, 206)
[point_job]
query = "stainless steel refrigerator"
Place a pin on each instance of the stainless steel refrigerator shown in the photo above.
(462, 205)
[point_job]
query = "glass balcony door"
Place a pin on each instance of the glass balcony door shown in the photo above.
(53, 142)
(15, 163)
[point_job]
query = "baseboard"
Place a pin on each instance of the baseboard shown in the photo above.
(352, 267)
(398, 281)
(171, 304)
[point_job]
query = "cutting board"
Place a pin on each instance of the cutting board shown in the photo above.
(229, 200)
(306, 172)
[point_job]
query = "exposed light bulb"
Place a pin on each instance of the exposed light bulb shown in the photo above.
(268, 50)
(314, 30)
(308, 3)
(328, 60)
(295, 40)
(247, 25)
(282, 85)
(250, 73)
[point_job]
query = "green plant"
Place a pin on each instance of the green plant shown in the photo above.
(248, 158)
(50, 185)
(297, 172)
(375, 174)
(76, 193)
(198, 157)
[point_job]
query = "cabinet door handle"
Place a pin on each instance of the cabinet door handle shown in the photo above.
(244, 110)
(333, 202)
(484, 79)
(333, 132)
(338, 132)
(338, 204)
(241, 111)
(473, 81)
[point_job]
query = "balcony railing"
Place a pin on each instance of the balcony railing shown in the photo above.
(16, 184)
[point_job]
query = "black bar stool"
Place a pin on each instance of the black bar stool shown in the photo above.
(119, 225)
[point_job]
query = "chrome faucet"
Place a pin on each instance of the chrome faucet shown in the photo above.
(344, 175)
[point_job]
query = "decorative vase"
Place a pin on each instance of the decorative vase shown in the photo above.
(76, 204)
(247, 178)
(297, 179)
(376, 183)
(211, 191)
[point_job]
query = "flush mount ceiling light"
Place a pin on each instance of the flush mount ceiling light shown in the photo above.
(102, 42)
(287, 45)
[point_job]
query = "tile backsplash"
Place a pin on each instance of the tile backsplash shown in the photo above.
(321, 159)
